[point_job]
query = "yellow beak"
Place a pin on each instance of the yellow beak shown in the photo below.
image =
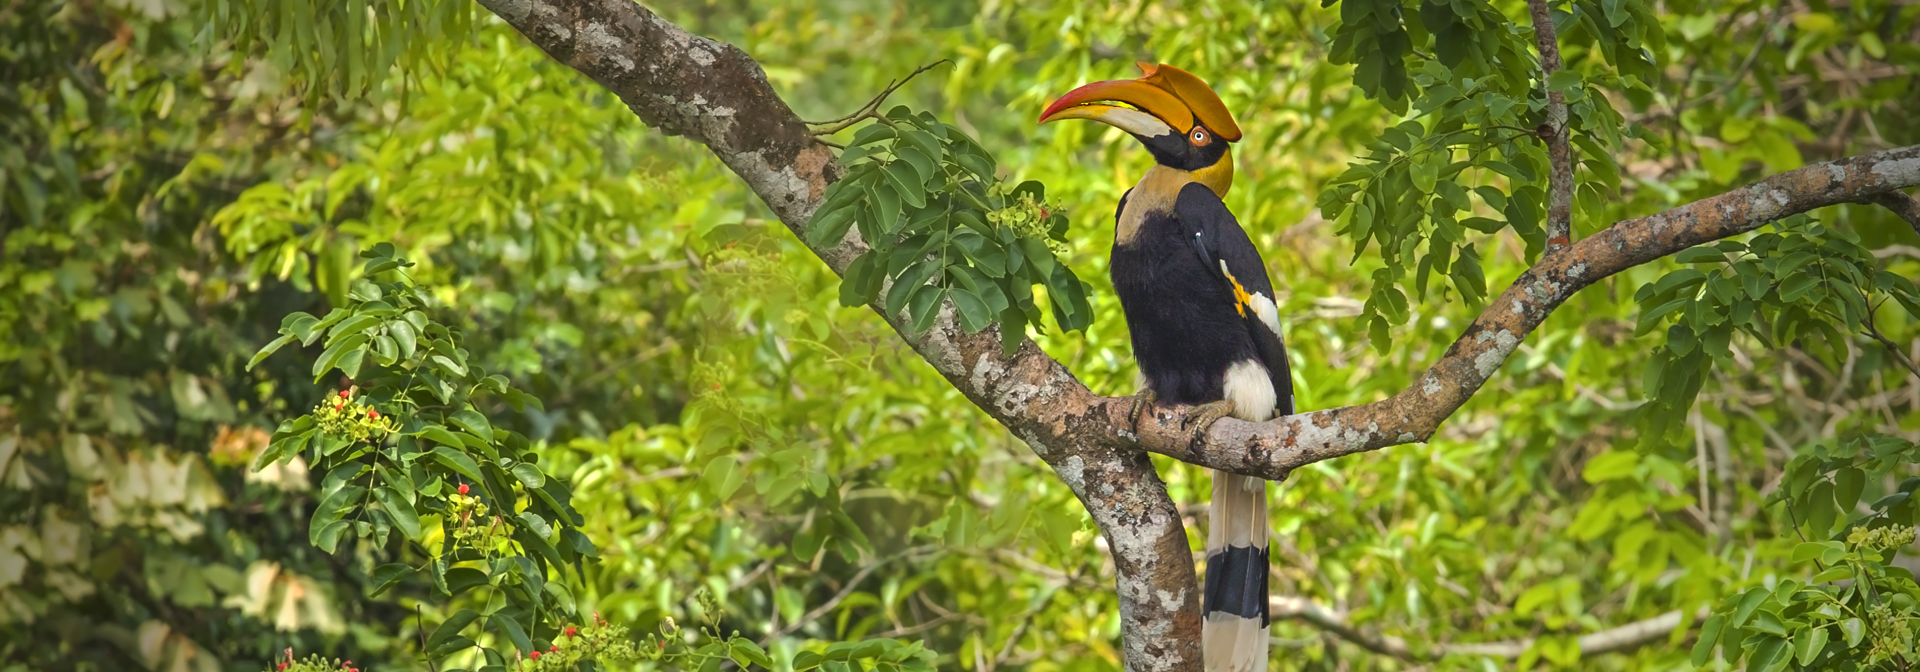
(1166, 99)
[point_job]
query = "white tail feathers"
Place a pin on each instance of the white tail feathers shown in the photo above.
(1233, 632)
(1233, 635)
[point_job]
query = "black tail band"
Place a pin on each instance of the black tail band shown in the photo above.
(1237, 583)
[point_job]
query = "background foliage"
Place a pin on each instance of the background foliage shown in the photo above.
(725, 426)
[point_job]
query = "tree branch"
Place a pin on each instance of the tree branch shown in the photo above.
(1624, 638)
(1907, 207)
(1555, 132)
(715, 94)
(1274, 448)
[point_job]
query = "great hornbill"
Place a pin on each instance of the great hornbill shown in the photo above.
(1200, 311)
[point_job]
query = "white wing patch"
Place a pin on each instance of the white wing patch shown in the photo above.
(1262, 304)
(1269, 313)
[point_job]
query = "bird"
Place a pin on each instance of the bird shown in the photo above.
(1201, 316)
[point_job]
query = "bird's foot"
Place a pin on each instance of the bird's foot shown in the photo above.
(1204, 416)
(1141, 402)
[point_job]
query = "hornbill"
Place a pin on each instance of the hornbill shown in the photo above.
(1200, 311)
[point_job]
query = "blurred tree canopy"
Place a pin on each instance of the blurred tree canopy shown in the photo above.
(168, 195)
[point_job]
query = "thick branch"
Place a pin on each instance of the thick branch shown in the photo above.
(1274, 448)
(1624, 638)
(1555, 133)
(713, 93)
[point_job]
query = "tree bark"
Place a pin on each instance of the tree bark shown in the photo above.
(1555, 132)
(713, 93)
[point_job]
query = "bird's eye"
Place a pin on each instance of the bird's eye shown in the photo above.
(1199, 136)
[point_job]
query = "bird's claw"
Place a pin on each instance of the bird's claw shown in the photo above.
(1204, 416)
(1141, 402)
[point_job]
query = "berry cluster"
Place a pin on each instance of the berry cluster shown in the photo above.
(473, 526)
(314, 663)
(346, 416)
(599, 641)
(1028, 218)
(1880, 539)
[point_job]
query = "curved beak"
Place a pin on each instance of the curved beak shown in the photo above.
(1164, 100)
(1153, 111)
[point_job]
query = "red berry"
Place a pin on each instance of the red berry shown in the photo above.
(373, 413)
(535, 655)
(339, 406)
(463, 488)
(570, 632)
(343, 394)
(555, 648)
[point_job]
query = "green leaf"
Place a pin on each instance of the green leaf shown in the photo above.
(925, 306)
(360, 322)
(388, 575)
(350, 362)
(268, 349)
(744, 651)
(1563, 80)
(974, 314)
(335, 353)
(1808, 643)
(506, 625)
(447, 364)
(332, 509)
(1848, 483)
(464, 578)
(723, 476)
(536, 524)
(1797, 286)
(459, 463)
(473, 422)
(440, 435)
(1700, 255)
(871, 133)
(404, 517)
(906, 183)
(1854, 630)
(327, 537)
(1610, 465)
(1709, 637)
(404, 337)
(860, 275)
(826, 230)
(529, 475)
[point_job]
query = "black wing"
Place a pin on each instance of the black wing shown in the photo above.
(1226, 249)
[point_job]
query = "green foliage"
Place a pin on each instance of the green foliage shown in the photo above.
(167, 206)
(1858, 611)
(414, 456)
(342, 50)
(1784, 286)
(942, 226)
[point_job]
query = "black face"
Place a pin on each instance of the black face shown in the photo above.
(1196, 149)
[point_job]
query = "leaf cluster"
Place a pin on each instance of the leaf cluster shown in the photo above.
(941, 226)
(1857, 611)
(443, 469)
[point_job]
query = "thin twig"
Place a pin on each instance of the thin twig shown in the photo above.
(422, 632)
(1612, 640)
(866, 111)
(1555, 133)
(1892, 347)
